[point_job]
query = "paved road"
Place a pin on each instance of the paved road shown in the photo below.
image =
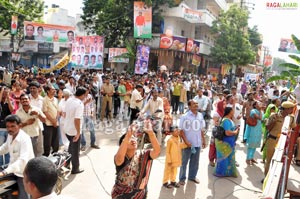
(98, 178)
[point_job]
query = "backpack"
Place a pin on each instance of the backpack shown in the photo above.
(218, 131)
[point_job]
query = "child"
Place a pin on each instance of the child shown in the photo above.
(173, 159)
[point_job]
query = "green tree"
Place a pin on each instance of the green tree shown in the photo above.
(232, 44)
(254, 38)
(276, 65)
(290, 71)
(114, 18)
(26, 10)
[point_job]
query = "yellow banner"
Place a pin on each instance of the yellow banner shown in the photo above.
(62, 63)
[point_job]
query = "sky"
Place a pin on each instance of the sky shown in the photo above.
(275, 24)
(73, 6)
(272, 24)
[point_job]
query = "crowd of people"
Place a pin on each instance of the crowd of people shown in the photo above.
(44, 113)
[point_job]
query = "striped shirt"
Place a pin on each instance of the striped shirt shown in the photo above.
(88, 106)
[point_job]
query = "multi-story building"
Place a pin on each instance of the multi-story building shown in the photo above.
(189, 22)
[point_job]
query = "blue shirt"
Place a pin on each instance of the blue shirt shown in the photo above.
(192, 125)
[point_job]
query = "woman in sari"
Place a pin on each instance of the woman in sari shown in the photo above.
(225, 163)
(217, 116)
(133, 167)
(271, 108)
(254, 133)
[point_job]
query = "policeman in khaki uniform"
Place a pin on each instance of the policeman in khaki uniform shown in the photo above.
(107, 91)
(274, 125)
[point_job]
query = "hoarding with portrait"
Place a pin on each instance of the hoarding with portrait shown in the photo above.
(288, 46)
(114, 52)
(87, 52)
(142, 20)
(142, 59)
(48, 32)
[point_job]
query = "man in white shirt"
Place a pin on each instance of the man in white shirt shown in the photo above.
(202, 102)
(19, 146)
(73, 124)
(40, 184)
(153, 105)
(30, 117)
(136, 102)
(35, 98)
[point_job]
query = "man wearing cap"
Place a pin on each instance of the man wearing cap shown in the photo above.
(274, 125)
(107, 91)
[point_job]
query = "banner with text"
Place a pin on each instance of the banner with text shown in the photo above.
(192, 16)
(142, 20)
(62, 63)
(87, 52)
(288, 46)
(48, 32)
(142, 59)
(114, 52)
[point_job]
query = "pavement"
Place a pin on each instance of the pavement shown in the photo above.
(98, 178)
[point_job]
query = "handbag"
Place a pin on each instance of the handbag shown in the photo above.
(251, 121)
(218, 131)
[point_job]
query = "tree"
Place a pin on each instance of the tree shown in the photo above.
(26, 10)
(114, 18)
(291, 71)
(276, 65)
(232, 44)
(254, 38)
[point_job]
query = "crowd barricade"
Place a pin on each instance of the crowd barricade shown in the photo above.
(276, 183)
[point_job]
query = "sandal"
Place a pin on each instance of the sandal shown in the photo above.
(167, 185)
(298, 163)
(212, 164)
(248, 162)
(175, 184)
(254, 161)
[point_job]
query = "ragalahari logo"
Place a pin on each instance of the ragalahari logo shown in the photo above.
(282, 5)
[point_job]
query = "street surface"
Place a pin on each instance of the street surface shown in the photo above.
(98, 178)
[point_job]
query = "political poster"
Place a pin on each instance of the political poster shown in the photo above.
(288, 46)
(48, 32)
(142, 20)
(14, 25)
(142, 59)
(87, 52)
(113, 54)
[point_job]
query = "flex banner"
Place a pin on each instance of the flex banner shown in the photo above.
(62, 63)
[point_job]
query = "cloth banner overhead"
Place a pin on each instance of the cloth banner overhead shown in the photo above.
(113, 54)
(192, 46)
(87, 52)
(48, 32)
(142, 20)
(142, 59)
(62, 63)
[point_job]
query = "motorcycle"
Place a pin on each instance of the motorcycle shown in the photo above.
(8, 183)
(60, 159)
